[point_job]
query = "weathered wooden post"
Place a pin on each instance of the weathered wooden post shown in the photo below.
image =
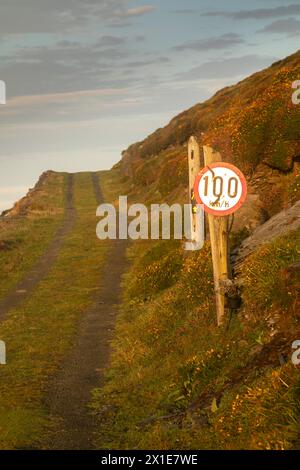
(194, 168)
(221, 188)
(219, 240)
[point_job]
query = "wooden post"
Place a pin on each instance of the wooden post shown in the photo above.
(219, 240)
(194, 168)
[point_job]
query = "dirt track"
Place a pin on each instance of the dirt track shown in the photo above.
(70, 390)
(45, 263)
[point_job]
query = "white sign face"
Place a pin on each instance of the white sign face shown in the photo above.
(221, 187)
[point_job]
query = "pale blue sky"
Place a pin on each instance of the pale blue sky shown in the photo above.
(86, 78)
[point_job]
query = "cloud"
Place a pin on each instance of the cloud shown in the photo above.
(186, 11)
(222, 42)
(259, 13)
(67, 43)
(29, 16)
(110, 41)
(140, 38)
(36, 110)
(64, 66)
(63, 97)
(139, 11)
(227, 68)
(289, 26)
(120, 17)
(51, 76)
(144, 63)
(104, 41)
(71, 65)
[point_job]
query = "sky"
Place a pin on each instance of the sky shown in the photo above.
(87, 78)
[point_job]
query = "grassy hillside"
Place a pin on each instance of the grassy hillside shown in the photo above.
(41, 331)
(254, 124)
(176, 380)
(28, 229)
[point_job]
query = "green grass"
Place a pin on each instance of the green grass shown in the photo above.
(178, 381)
(23, 241)
(39, 333)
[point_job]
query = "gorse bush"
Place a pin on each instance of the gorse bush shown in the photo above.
(178, 381)
(160, 272)
(265, 283)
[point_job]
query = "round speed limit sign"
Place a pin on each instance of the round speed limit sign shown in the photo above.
(221, 188)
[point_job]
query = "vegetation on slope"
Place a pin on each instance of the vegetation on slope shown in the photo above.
(178, 381)
(254, 124)
(41, 331)
(26, 232)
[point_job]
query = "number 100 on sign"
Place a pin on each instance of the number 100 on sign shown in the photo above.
(221, 188)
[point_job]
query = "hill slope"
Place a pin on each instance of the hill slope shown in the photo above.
(57, 296)
(176, 380)
(254, 124)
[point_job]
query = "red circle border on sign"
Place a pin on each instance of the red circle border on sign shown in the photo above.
(243, 182)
